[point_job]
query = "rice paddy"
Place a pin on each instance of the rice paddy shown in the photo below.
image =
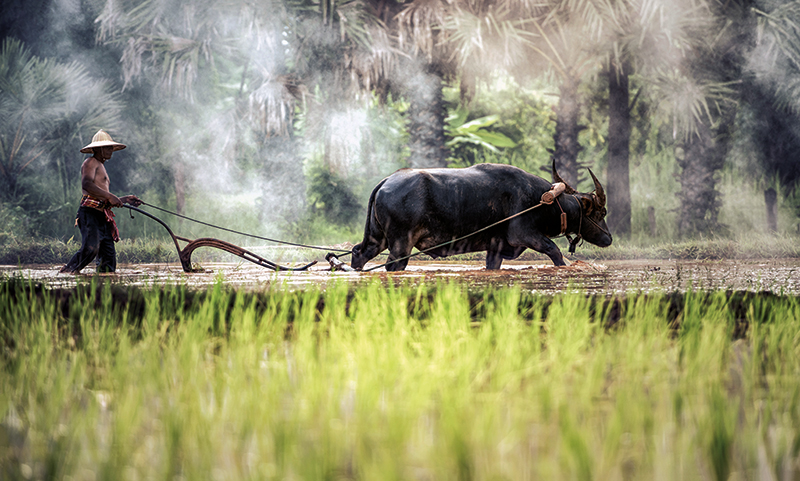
(391, 379)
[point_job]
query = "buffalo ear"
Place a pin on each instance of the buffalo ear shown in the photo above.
(587, 203)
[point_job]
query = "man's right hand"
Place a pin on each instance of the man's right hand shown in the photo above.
(132, 200)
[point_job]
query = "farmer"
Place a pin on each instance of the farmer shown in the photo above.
(95, 220)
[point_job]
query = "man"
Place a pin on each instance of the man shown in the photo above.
(95, 219)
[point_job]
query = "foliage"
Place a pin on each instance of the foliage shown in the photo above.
(316, 230)
(394, 382)
(519, 116)
(45, 109)
(14, 221)
(470, 140)
(330, 198)
(56, 252)
(778, 51)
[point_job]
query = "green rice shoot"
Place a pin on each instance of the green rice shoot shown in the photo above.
(387, 381)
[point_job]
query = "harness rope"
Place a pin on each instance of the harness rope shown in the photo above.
(328, 249)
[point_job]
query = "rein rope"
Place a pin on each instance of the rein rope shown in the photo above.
(327, 249)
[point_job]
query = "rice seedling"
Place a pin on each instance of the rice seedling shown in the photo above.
(396, 381)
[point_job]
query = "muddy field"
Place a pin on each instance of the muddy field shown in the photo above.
(775, 275)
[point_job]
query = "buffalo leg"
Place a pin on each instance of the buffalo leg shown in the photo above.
(548, 248)
(521, 235)
(398, 250)
(396, 266)
(493, 260)
(494, 257)
(542, 244)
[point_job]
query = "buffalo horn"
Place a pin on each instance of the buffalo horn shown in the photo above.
(557, 178)
(598, 189)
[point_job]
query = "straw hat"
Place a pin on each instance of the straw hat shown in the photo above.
(101, 139)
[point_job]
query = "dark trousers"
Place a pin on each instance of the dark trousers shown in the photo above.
(98, 242)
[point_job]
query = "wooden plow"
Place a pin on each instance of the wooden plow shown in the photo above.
(185, 254)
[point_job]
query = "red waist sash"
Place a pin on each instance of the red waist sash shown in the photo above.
(89, 201)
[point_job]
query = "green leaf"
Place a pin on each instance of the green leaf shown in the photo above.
(474, 125)
(496, 139)
(457, 118)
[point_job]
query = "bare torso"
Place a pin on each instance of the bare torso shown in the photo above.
(95, 171)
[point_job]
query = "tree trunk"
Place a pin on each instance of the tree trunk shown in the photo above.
(180, 184)
(704, 156)
(651, 220)
(567, 130)
(426, 116)
(619, 134)
(699, 199)
(771, 200)
(9, 191)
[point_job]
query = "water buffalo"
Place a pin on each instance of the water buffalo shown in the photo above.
(424, 208)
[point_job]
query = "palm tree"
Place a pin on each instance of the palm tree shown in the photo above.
(560, 41)
(528, 39)
(641, 37)
(31, 93)
(716, 67)
(690, 54)
(170, 48)
(423, 67)
(772, 92)
(47, 109)
(618, 182)
(423, 45)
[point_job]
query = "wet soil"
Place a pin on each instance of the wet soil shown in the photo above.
(780, 276)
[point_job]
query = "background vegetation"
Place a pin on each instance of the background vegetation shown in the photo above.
(278, 118)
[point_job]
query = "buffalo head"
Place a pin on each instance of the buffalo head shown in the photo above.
(593, 209)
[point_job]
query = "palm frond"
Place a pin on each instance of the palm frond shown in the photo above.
(271, 105)
(776, 57)
(691, 101)
(490, 35)
(44, 108)
(419, 23)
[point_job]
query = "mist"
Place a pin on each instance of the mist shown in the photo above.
(273, 120)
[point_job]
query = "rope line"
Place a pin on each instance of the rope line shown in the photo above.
(327, 249)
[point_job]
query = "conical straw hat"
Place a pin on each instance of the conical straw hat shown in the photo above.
(101, 139)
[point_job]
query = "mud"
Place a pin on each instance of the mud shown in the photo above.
(780, 276)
